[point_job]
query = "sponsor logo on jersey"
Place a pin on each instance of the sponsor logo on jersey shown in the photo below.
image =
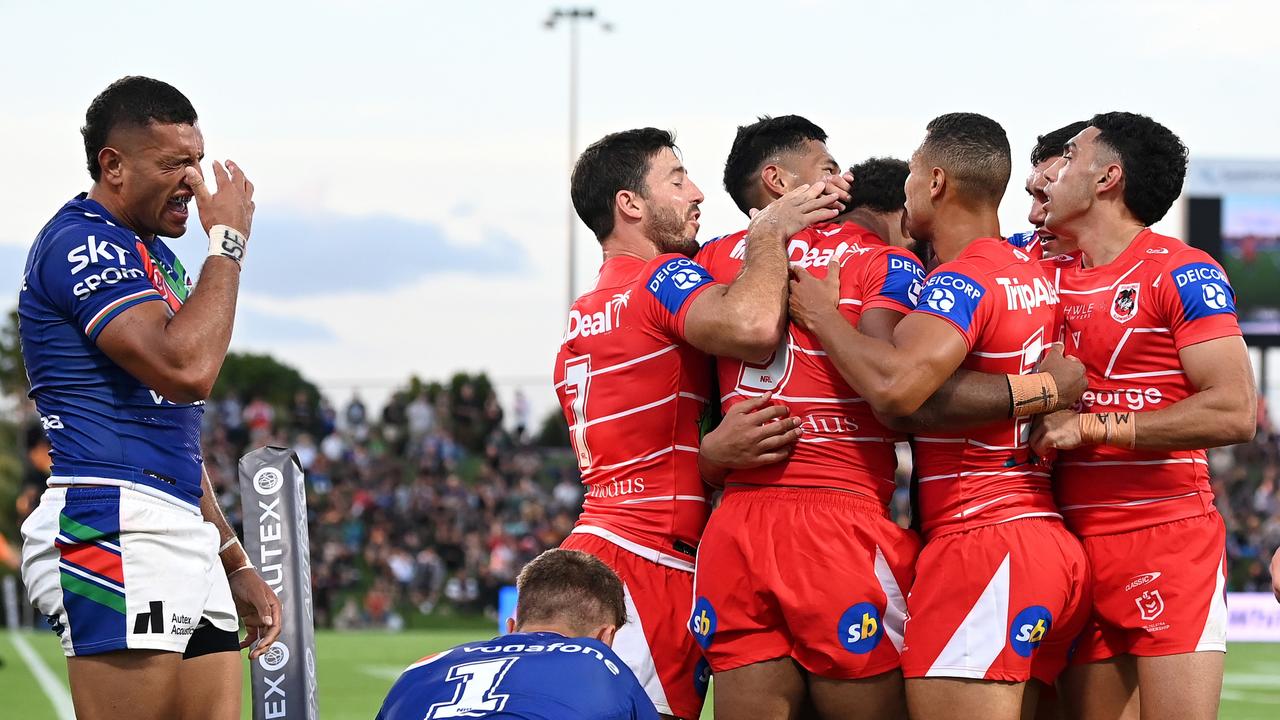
(1022, 296)
(800, 252)
(702, 623)
(51, 422)
(1124, 306)
(675, 281)
(953, 296)
(1082, 311)
(1029, 629)
(616, 488)
(904, 281)
(1132, 398)
(860, 628)
(1150, 605)
(597, 323)
(829, 424)
(1140, 580)
(1158, 251)
(1204, 290)
(95, 251)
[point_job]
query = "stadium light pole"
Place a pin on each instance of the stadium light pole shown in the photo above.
(571, 16)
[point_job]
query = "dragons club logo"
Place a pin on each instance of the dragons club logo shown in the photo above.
(1125, 304)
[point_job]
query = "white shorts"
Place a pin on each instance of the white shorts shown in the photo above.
(116, 569)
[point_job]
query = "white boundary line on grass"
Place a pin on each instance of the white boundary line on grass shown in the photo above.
(54, 689)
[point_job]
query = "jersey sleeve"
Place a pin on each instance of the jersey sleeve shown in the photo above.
(1196, 300)
(721, 258)
(92, 274)
(893, 280)
(952, 293)
(671, 286)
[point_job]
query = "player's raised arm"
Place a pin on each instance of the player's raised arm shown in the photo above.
(745, 320)
(1223, 410)
(180, 354)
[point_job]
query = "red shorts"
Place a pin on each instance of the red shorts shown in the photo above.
(655, 642)
(817, 575)
(1157, 591)
(1001, 602)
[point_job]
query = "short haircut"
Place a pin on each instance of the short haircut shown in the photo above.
(756, 144)
(1050, 144)
(570, 589)
(132, 100)
(974, 151)
(1153, 158)
(609, 165)
(878, 184)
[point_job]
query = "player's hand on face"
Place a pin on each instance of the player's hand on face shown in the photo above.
(795, 211)
(754, 432)
(1055, 431)
(842, 187)
(232, 205)
(258, 606)
(1068, 373)
(813, 300)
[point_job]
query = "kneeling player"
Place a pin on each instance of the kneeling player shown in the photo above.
(555, 662)
(1154, 322)
(999, 591)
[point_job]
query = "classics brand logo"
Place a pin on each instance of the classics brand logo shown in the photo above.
(601, 322)
(860, 628)
(1029, 628)
(268, 481)
(703, 622)
(1142, 579)
(1124, 306)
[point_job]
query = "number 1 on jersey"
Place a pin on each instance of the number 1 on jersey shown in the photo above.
(577, 383)
(475, 696)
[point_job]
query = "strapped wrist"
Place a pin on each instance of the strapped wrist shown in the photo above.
(227, 242)
(1113, 428)
(1032, 394)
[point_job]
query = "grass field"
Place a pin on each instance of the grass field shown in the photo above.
(355, 670)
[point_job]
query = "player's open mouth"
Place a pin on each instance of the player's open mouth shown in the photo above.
(178, 205)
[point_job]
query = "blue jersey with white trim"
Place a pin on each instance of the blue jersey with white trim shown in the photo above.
(83, 271)
(522, 676)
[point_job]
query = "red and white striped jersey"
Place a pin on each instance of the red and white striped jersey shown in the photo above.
(1127, 322)
(843, 445)
(1007, 311)
(633, 390)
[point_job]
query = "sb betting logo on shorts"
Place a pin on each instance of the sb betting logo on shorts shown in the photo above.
(703, 622)
(860, 628)
(1029, 628)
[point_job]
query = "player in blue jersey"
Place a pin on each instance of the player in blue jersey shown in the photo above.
(555, 663)
(123, 552)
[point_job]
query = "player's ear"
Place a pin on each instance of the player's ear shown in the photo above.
(774, 179)
(511, 625)
(937, 183)
(112, 165)
(605, 634)
(630, 204)
(1110, 178)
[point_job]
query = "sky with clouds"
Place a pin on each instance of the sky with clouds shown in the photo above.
(411, 160)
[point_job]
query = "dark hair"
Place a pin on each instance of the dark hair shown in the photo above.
(878, 184)
(1153, 158)
(571, 589)
(1050, 144)
(974, 151)
(132, 100)
(756, 143)
(613, 163)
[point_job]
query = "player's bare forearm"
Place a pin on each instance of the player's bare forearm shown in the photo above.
(875, 369)
(234, 556)
(966, 399)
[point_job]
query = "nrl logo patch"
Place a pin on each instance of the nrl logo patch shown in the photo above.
(1125, 304)
(1150, 605)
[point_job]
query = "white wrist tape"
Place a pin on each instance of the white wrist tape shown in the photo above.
(233, 541)
(227, 242)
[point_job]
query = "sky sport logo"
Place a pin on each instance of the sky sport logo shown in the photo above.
(860, 628)
(268, 481)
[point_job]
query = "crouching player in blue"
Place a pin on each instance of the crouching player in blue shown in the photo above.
(555, 663)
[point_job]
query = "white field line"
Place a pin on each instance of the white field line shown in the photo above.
(53, 687)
